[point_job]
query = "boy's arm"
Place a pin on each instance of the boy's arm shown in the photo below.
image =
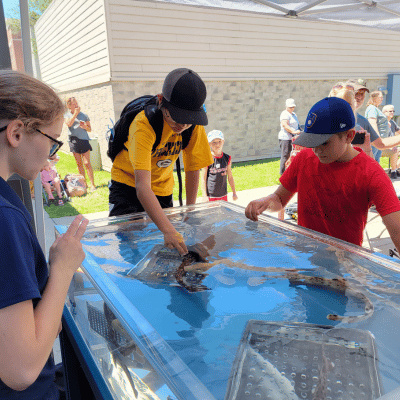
(204, 183)
(392, 223)
(151, 205)
(273, 203)
(231, 181)
(192, 186)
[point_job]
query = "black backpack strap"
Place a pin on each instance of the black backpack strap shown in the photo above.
(186, 136)
(155, 117)
(178, 172)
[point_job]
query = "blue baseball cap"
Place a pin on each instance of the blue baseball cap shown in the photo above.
(326, 118)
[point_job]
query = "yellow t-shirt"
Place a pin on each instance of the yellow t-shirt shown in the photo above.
(139, 156)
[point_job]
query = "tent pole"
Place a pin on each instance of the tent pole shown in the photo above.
(272, 5)
(5, 59)
(381, 7)
(37, 184)
(307, 7)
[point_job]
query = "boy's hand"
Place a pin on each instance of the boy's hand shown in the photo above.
(255, 208)
(174, 239)
(234, 196)
(66, 252)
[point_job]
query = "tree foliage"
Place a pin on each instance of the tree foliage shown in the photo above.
(36, 9)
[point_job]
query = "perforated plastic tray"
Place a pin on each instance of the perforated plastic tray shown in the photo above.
(291, 361)
(160, 265)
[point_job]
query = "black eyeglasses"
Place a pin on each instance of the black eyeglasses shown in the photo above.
(56, 146)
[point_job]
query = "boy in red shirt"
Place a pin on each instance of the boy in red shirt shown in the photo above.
(336, 183)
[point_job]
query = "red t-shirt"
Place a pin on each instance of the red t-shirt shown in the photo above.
(334, 198)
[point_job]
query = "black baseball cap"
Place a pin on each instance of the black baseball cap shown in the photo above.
(184, 94)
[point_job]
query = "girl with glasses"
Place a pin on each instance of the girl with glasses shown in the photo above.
(31, 296)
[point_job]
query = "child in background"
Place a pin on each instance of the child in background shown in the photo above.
(49, 177)
(214, 182)
(336, 182)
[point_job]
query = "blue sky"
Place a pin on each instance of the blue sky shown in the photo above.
(9, 5)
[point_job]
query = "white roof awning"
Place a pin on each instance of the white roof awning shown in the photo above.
(382, 14)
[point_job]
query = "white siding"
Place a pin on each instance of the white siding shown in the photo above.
(72, 44)
(150, 38)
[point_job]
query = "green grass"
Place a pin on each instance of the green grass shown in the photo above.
(384, 162)
(247, 175)
(91, 202)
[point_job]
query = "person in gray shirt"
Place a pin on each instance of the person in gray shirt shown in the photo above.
(378, 143)
(79, 125)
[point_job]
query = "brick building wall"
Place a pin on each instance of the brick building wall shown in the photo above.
(16, 53)
(246, 111)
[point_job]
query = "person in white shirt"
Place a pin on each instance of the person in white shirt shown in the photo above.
(289, 128)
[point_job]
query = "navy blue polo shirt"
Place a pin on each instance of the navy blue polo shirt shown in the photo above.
(23, 276)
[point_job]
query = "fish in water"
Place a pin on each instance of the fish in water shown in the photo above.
(181, 274)
(337, 284)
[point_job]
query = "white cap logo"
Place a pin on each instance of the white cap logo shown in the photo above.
(342, 125)
(164, 163)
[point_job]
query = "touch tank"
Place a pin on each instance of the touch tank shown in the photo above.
(268, 310)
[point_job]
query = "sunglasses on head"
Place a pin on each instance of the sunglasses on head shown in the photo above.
(347, 87)
(54, 148)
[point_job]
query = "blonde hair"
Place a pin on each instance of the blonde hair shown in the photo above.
(28, 100)
(69, 99)
(335, 89)
(345, 94)
(373, 96)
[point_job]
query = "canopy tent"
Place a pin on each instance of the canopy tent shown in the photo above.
(383, 14)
